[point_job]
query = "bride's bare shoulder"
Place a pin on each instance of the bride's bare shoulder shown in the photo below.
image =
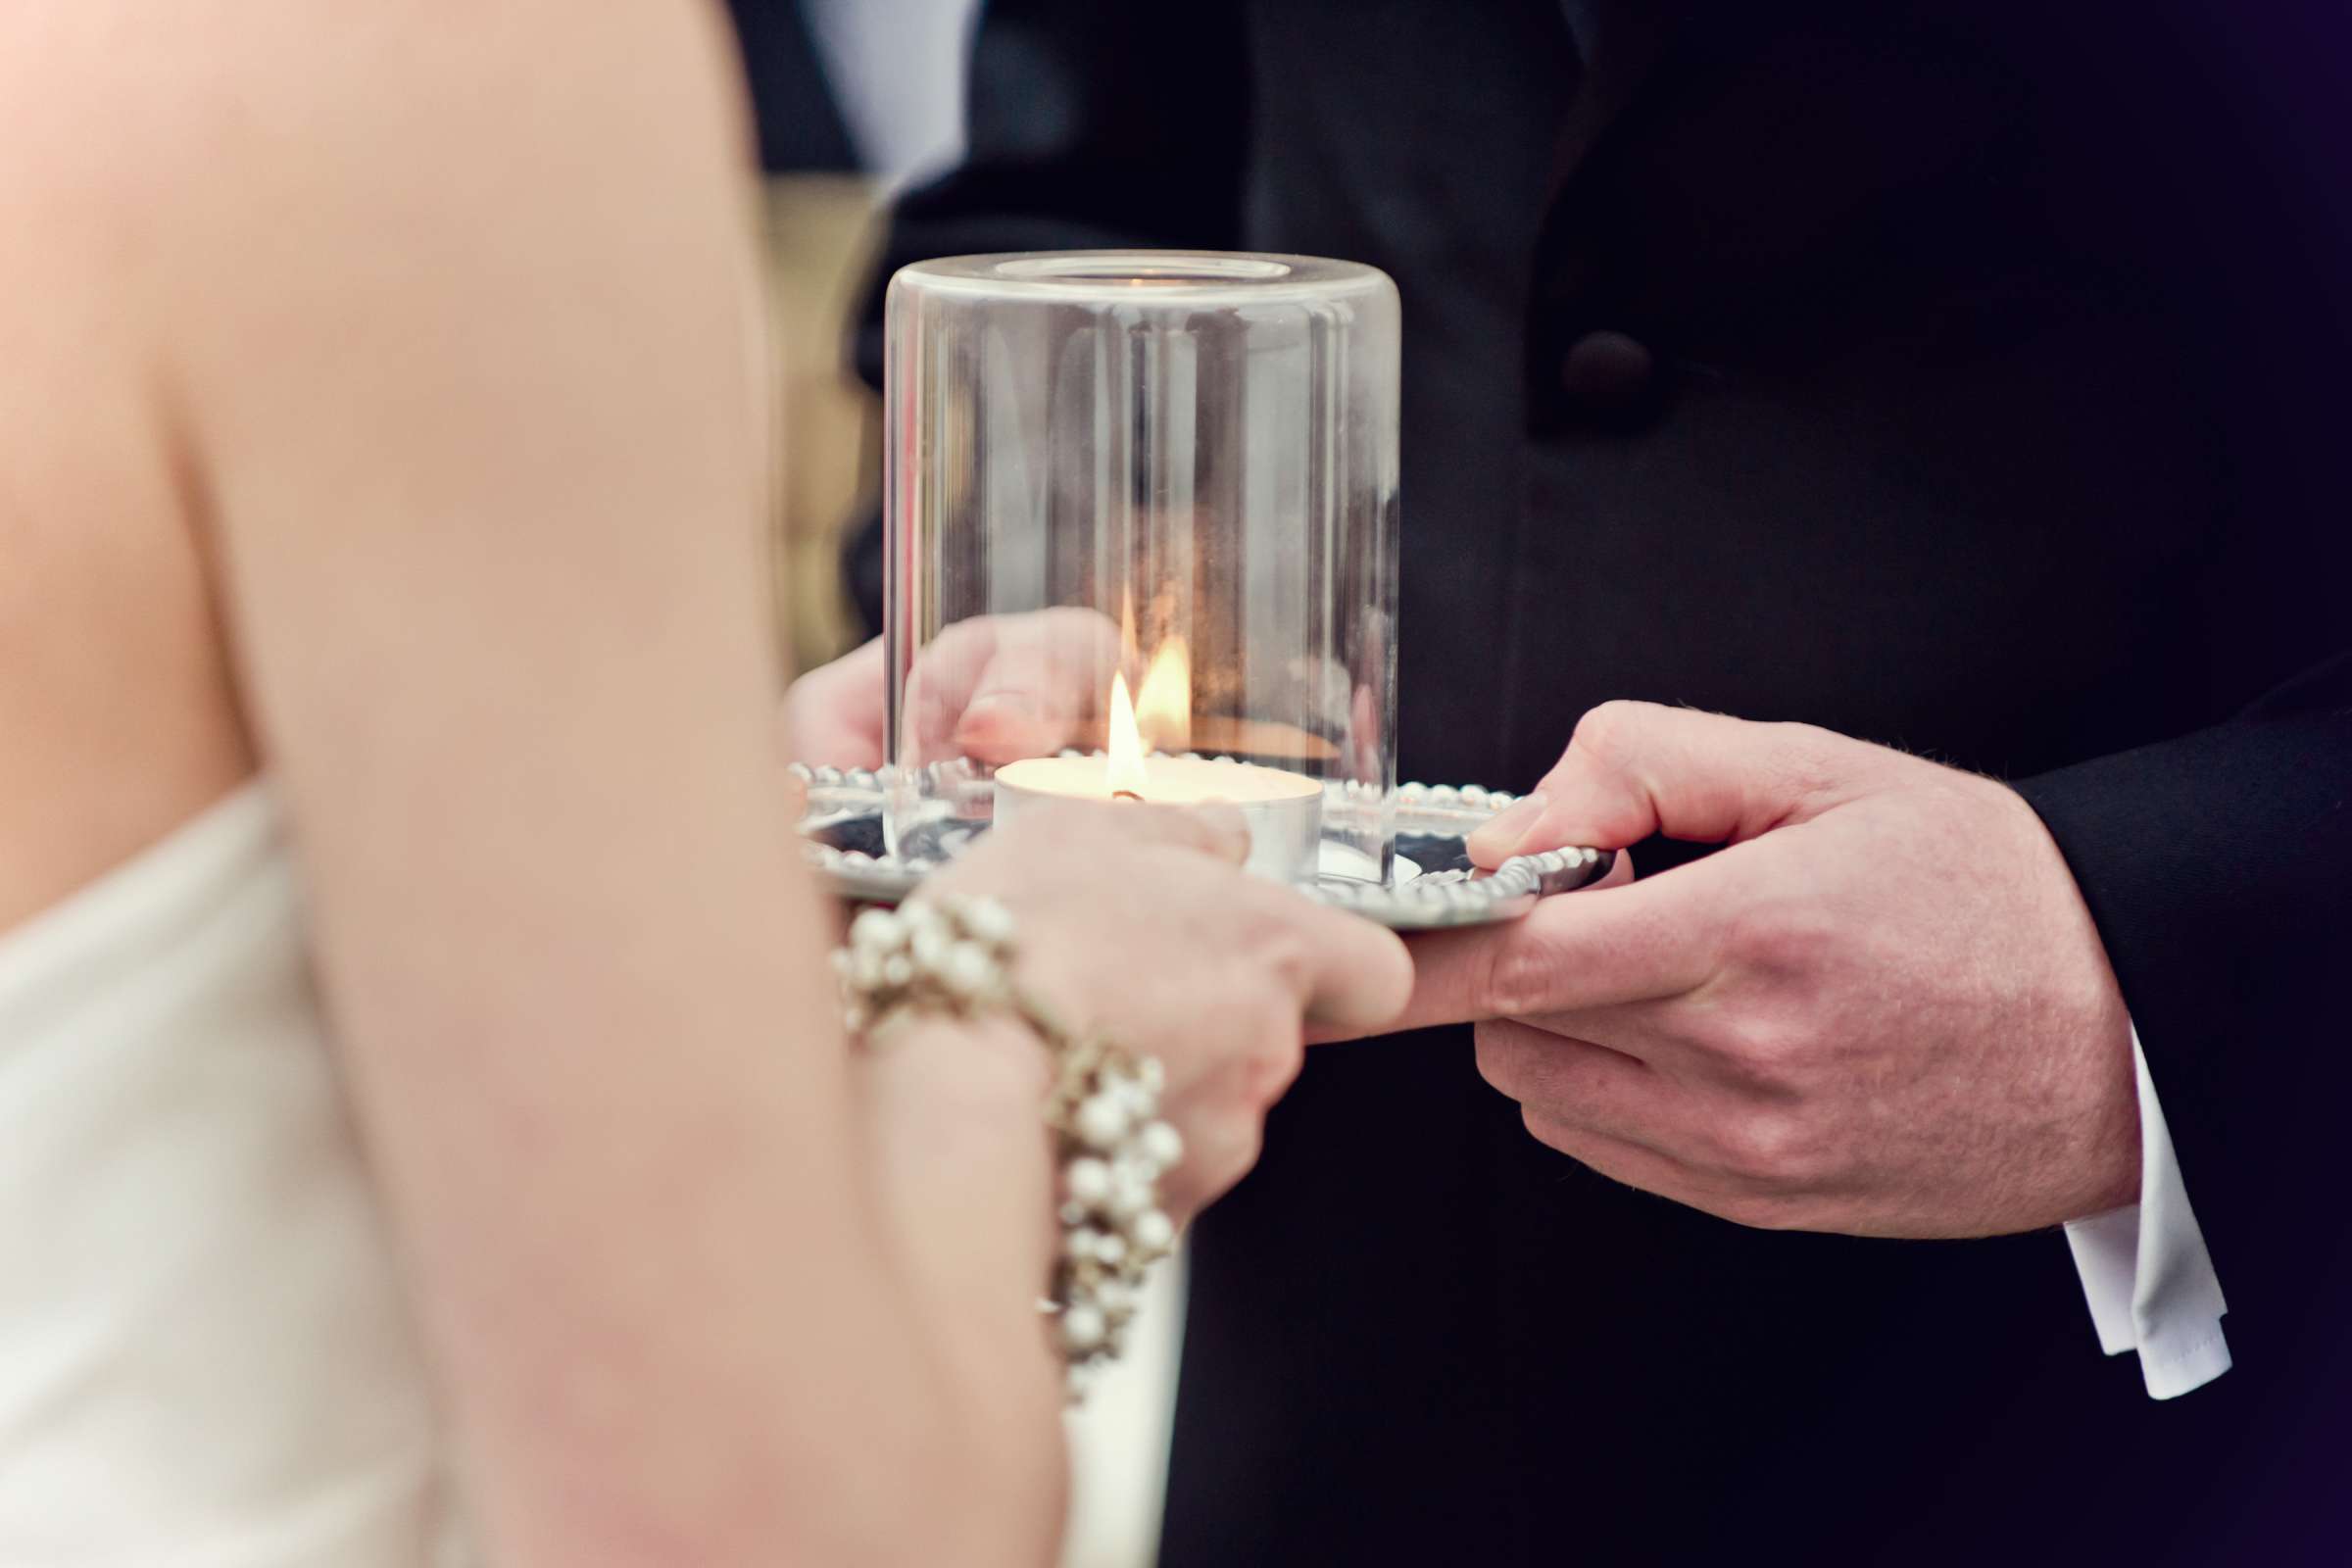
(195, 199)
(207, 189)
(165, 113)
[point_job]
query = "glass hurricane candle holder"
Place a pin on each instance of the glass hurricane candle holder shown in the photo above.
(1141, 522)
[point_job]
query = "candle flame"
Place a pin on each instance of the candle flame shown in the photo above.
(1124, 769)
(1163, 703)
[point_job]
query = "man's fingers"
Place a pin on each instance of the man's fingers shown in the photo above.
(1624, 1119)
(1628, 1165)
(1636, 769)
(1004, 726)
(1578, 1084)
(833, 715)
(1595, 947)
(998, 688)
(1321, 1033)
(1045, 676)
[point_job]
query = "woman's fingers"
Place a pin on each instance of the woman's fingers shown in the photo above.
(1344, 972)
(1219, 1148)
(1350, 975)
(1139, 923)
(1366, 978)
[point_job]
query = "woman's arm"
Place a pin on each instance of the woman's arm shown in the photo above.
(462, 348)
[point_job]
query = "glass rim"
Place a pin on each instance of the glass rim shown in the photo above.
(1143, 276)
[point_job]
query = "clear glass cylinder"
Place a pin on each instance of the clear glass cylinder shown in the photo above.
(1141, 519)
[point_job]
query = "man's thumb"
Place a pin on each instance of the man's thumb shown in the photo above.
(1633, 769)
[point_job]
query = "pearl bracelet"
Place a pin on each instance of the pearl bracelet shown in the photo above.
(953, 954)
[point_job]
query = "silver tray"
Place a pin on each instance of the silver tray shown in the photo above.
(1435, 887)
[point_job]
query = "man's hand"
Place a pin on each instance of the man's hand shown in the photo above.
(994, 688)
(1882, 1011)
(834, 715)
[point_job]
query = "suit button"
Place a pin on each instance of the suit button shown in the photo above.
(1607, 376)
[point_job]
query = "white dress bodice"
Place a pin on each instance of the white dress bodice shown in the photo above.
(206, 1360)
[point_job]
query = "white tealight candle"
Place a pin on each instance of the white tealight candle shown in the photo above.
(1283, 810)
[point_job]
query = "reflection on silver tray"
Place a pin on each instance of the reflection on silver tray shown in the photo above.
(1435, 884)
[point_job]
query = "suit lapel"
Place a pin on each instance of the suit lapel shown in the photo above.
(1620, 42)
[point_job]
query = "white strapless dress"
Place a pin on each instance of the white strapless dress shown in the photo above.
(206, 1360)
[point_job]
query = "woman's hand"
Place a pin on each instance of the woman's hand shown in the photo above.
(1137, 921)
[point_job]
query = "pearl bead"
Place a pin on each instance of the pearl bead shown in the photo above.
(1111, 1250)
(874, 928)
(1082, 1326)
(1115, 1299)
(1153, 1231)
(1160, 1143)
(1128, 1197)
(1086, 1181)
(965, 968)
(927, 945)
(1100, 1121)
(1080, 1244)
(988, 921)
(896, 970)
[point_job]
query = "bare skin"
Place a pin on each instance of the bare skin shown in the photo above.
(118, 717)
(1882, 1011)
(380, 409)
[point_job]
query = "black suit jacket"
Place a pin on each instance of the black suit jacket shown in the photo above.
(1966, 377)
(793, 109)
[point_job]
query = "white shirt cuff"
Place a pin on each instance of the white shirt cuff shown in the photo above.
(2145, 1271)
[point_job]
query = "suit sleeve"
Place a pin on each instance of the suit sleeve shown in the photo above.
(1092, 125)
(2216, 866)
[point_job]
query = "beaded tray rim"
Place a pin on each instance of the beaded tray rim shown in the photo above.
(1419, 904)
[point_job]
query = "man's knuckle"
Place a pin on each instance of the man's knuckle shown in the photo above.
(1766, 1150)
(1605, 730)
(1780, 935)
(1766, 1048)
(1517, 978)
